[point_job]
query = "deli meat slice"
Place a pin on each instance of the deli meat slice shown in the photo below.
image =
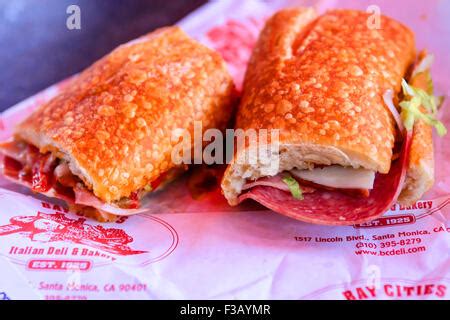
(12, 168)
(336, 208)
(274, 182)
(87, 198)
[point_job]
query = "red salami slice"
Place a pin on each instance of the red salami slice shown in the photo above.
(336, 208)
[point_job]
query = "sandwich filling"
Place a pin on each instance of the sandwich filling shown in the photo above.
(350, 181)
(417, 102)
(47, 174)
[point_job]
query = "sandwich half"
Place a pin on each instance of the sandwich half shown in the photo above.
(343, 152)
(104, 142)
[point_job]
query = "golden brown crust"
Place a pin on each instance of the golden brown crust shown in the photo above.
(420, 171)
(421, 145)
(116, 118)
(327, 87)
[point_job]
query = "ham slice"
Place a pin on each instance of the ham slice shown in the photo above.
(329, 207)
(87, 198)
(274, 182)
(43, 176)
(43, 173)
(81, 196)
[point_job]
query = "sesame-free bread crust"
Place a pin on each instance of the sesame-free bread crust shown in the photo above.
(320, 81)
(420, 170)
(113, 122)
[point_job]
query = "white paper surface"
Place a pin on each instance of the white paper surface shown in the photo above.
(204, 249)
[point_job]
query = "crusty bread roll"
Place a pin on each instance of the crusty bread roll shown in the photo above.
(113, 123)
(320, 81)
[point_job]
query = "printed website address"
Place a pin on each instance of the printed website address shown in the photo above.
(393, 252)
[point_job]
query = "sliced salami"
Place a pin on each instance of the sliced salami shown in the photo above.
(336, 208)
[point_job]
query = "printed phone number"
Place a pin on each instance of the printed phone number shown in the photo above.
(389, 244)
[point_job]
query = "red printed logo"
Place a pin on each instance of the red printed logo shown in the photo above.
(387, 288)
(57, 227)
(433, 290)
(52, 240)
(387, 221)
(47, 264)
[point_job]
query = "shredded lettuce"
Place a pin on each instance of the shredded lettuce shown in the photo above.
(411, 108)
(293, 186)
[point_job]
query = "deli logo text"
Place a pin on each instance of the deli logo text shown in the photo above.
(396, 291)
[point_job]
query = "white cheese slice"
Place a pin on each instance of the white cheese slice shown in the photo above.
(339, 177)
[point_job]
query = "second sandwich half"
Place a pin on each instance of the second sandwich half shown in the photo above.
(323, 82)
(105, 142)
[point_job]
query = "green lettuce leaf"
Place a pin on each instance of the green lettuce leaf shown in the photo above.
(411, 108)
(293, 186)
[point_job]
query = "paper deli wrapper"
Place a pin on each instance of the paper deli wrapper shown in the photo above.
(193, 245)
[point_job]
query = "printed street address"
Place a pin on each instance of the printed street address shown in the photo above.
(387, 244)
(74, 290)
